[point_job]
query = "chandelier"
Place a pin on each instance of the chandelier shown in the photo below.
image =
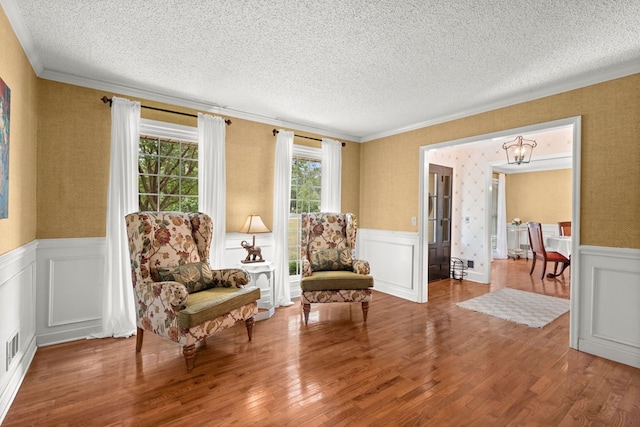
(519, 150)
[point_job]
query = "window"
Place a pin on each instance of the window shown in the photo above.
(168, 167)
(306, 178)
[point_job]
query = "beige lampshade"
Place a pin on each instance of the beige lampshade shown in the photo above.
(253, 225)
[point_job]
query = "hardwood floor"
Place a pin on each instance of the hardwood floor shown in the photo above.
(411, 365)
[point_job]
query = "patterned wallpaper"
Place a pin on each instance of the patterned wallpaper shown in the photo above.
(469, 199)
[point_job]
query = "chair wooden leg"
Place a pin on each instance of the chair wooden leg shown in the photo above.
(249, 324)
(544, 269)
(365, 310)
(533, 265)
(139, 338)
(189, 353)
(306, 308)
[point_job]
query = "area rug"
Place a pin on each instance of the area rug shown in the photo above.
(526, 308)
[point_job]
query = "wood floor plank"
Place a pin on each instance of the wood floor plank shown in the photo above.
(409, 365)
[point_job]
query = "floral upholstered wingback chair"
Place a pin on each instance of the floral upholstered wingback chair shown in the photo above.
(177, 294)
(329, 272)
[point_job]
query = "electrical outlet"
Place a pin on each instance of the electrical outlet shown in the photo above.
(413, 220)
(470, 263)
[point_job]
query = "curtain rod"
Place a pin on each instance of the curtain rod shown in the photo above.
(108, 100)
(275, 132)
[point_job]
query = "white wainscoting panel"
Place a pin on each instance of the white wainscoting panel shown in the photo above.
(64, 292)
(609, 298)
(394, 260)
(17, 316)
(69, 289)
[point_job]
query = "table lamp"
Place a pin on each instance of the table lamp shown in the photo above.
(253, 225)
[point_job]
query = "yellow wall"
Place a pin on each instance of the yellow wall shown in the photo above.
(20, 227)
(610, 156)
(60, 148)
(74, 140)
(543, 197)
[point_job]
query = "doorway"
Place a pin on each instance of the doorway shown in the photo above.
(471, 221)
(439, 221)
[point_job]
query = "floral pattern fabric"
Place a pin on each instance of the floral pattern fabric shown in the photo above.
(343, 295)
(331, 260)
(169, 240)
(321, 231)
(325, 232)
(196, 276)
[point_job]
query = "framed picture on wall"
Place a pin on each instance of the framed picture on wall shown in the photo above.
(5, 102)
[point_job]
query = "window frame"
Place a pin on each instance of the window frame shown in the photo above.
(165, 130)
(309, 153)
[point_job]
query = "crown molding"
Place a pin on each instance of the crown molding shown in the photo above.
(552, 89)
(17, 23)
(203, 106)
(15, 18)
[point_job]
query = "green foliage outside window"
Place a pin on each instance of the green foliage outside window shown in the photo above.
(306, 178)
(168, 175)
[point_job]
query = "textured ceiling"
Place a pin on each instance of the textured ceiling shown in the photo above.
(356, 69)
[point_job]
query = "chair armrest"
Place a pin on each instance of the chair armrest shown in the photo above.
(169, 293)
(361, 266)
(230, 277)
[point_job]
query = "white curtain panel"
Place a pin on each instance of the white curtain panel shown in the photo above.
(118, 311)
(212, 183)
(330, 196)
(281, 202)
(501, 231)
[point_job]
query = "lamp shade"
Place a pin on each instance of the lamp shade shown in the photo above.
(253, 225)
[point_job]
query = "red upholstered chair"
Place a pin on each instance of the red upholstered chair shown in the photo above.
(565, 228)
(537, 247)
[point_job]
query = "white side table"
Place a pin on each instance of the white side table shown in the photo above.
(262, 276)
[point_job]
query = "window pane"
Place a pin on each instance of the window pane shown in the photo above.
(433, 188)
(305, 197)
(431, 230)
(169, 166)
(305, 185)
(189, 187)
(148, 145)
(169, 148)
(170, 185)
(169, 203)
(148, 202)
(445, 230)
(148, 164)
(168, 175)
(189, 150)
(190, 168)
(189, 204)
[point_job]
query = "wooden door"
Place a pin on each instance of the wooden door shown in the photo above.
(439, 221)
